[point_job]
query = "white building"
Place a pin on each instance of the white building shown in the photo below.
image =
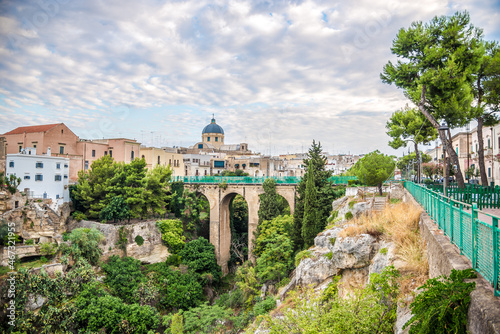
(45, 176)
(196, 164)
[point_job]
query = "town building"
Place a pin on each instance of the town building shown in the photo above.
(42, 176)
(64, 143)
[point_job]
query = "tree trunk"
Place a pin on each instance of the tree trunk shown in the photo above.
(480, 151)
(380, 189)
(418, 163)
(444, 137)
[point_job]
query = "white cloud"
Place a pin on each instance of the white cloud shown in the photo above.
(277, 74)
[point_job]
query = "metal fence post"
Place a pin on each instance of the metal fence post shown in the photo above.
(474, 237)
(495, 256)
(461, 212)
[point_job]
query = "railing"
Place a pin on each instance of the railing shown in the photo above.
(477, 239)
(253, 179)
(484, 197)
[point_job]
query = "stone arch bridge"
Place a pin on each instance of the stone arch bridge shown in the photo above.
(220, 199)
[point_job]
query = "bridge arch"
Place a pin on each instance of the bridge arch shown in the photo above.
(220, 199)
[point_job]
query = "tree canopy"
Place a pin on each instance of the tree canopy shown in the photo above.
(374, 168)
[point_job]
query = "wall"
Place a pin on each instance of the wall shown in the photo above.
(25, 168)
(484, 310)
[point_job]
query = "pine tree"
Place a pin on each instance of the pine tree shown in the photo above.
(271, 205)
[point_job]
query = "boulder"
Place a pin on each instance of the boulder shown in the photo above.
(35, 302)
(383, 258)
(314, 270)
(353, 252)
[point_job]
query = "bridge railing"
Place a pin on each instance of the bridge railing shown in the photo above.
(253, 179)
(474, 232)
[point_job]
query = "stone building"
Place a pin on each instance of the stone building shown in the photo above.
(64, 143)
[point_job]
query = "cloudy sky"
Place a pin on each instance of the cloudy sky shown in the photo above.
(276, 74)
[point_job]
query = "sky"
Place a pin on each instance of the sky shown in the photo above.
(276, 74)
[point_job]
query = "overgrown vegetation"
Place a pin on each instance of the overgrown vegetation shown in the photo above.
(442, 305)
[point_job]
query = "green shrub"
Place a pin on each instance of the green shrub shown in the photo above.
(284, 282)
(172, 234)
(199, 256)
(177, 326)
(332, 289)
(351, 204)
(233, 299)
(48, 248)
(85, 243)
(123, 276)
(79, 216)
(443, 304)
(332, 241)
(383, 250)
(139, 240)
(264, 306)
(205, 319)
(348, 215)
(329, 255)
(276, 261)
(43, 260)
(173, 260)
(29, 242)
(65, 236)
(122, 239)
(302, 255)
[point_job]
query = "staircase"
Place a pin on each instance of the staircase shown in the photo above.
(379, 204)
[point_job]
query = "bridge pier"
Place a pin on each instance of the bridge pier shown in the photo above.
(220, 226)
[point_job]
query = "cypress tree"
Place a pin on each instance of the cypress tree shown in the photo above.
(310, 220)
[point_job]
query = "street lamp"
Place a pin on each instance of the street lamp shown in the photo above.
(444, 128)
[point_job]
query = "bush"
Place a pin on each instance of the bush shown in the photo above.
(443, 304)
(205, 319)
(123, 276)
(173, 260)
(29, 242)
(233, 299)
(264, 306)
(97, 311)
(351, 204)
(348, 215)
(79, 216)
(85, 243)
(43, 260)
(276, 261)
(48, 248)
(302, 255)
(329, 255)
(139, 240)
(199, 256)
(177, 290)
(172, 234)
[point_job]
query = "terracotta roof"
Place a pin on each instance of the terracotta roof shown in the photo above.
(31, 129)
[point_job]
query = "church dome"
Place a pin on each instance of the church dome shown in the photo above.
(212, 128)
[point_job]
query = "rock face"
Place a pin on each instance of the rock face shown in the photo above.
(354, 258)
(152, 249)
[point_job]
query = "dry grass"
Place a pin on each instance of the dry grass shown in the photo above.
(397, 223)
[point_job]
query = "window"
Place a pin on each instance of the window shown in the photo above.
(20, 148)
(39, 165)
(65, 176)
(200, 145)
(62, 131)
(132, 155)
(489, 171)
(93, 153)
(205, 172)
(105, 152)
(58, 166)
(61, 149)
(16, 204)
(216, 138)
(170, 162)
(110, 153)
(27, 177)
(11, 163)
(57, 178)
(218, 164)
(489, 143)
(208, 138)
(86, 164)
(38, 177)
(158, 160)
(34, 146)
(65, 165)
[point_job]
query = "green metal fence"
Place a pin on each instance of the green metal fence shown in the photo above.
(484, 197)
(473, 231)
(252, 179)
